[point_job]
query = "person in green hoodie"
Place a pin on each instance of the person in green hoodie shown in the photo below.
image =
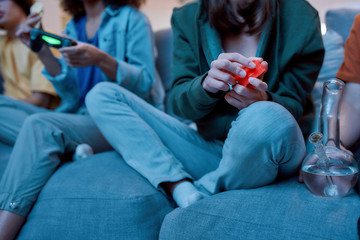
(246, 137)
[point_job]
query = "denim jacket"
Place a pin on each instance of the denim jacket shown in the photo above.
(126, 35)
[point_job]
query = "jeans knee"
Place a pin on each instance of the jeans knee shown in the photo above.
(265, 122)
(98, 94)
(37, 120)
(40, 126)
(102, 97)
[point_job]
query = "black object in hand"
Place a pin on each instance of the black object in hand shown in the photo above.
(39, 37)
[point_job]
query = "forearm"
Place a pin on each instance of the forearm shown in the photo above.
(50, 62)
(190, 100)
(108, 65)
(39, 99)
(350, 115)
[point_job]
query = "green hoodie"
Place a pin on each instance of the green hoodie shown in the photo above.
(291, 43)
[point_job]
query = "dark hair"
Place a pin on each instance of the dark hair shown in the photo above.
(76, 7)
(226, 18)
(25, 5)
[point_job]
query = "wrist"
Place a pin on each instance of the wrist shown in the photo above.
(100, 59)
(107, 64)
(207, 88)
(266, 96)
(44, 53)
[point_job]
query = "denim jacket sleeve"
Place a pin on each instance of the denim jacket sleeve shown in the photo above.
(65, 83)
(137, 71)
(66, 87)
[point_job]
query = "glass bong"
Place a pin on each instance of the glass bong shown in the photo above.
(329, 171)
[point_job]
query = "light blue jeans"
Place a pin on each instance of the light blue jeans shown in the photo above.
(264, 141)
(12, 116)
(40, 145)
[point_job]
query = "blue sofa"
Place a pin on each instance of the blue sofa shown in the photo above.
(101, 197)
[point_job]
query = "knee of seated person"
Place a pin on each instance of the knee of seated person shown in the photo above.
(98, 94)
(266, 120)
(38, 120)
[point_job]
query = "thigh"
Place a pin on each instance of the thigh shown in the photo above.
(12, 116)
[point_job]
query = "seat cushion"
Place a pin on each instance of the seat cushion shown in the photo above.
(284, 210)
(99, 197)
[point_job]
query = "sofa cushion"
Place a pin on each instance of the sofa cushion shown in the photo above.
(99, 197)
(285, 210)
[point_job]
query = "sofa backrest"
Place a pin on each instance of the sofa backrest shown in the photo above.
(164, 45)
(341, 20)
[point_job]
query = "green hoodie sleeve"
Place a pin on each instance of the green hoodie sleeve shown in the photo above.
(299, 76)
(188, 99)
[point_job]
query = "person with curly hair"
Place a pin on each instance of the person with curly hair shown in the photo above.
(114, 44)
(25, 89)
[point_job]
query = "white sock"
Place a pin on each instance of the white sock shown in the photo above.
(82, 151)
(186, 194)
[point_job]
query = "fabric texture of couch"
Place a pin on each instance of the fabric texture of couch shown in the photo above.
(101, 197)
(284, 210)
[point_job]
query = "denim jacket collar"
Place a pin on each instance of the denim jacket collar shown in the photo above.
(112, 11)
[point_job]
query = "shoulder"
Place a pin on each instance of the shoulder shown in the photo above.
(137, 16)
(356, 25)
(125, 15)
(298, 18)
(186, 13)
(357, 19)
(354, 36)
(297, 9)
(187, 9)
(124, 12)
(184, 20)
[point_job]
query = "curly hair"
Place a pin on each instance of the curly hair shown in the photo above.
(25, 5)
(245, 16)
(76, 7)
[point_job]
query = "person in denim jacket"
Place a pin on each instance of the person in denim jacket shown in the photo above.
(114, 44)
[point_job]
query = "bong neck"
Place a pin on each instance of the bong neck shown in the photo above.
(330, 112)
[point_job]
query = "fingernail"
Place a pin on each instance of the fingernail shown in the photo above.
(252, 65)
(242, 74)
